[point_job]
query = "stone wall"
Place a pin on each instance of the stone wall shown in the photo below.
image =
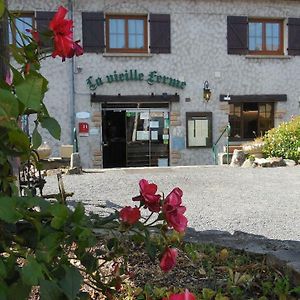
(199, 53)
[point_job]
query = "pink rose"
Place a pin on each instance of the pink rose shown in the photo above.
(168, 259)
(130, 215)
(173, 210)
(183, 296)
(148, 195)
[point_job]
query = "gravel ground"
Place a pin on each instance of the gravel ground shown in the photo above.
(263, 201)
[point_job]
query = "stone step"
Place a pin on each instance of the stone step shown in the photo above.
(232, 148)
(222, 158)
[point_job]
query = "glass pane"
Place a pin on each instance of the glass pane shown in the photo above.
(272, 36)
(272, 30)
(117, 41)
(235, 120)
(132, 41)
(251, 43)
(265, 118)
(120, 41)
(255, 36)
(138, 137)
(136, 34)
(117, 26)
(250, 120)
(112, 26)
(159, 133)
(140, 41)
(136, 26)
(22, 24)
(117, 33)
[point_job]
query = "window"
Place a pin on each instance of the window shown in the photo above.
(262, 36)
(250, 119)
(18, 26)
(199, 129)
(265, 36)
(126, 34)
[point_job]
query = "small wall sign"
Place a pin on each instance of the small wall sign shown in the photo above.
(83, 115)
(133, 75)
(83, 129)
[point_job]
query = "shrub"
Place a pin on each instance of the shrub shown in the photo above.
(284, 140)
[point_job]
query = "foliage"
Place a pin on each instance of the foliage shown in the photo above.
(46, 244)
(284, 140)
(217, 273)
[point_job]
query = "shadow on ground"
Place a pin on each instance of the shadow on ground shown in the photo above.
(282, 254)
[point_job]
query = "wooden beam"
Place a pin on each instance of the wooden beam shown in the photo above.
(254, 98)
(135, 98)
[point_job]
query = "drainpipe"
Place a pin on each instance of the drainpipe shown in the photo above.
(72, 78)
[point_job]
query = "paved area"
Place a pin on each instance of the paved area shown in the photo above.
(261, 201)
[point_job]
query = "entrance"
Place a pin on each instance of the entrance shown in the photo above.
(135, 137)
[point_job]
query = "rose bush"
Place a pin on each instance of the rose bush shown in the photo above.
(46, 244)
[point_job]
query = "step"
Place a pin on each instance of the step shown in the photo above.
(232, 148)
(222, 158)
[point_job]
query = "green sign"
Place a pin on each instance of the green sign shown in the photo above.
(133, 75)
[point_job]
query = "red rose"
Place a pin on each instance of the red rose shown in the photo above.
(173, 210)
(64, 46)
(168, 259)
(35, 36)
(183, 296)
(130, 215)
(148, 196)
(77, 49)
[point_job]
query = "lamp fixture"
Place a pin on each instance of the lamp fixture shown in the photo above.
(206, 91)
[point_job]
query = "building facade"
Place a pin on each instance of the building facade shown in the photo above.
(137, 95)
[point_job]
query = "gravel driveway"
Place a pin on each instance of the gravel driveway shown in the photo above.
(263, 201)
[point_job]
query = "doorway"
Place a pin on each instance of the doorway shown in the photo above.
(114, 139)
(135, 137)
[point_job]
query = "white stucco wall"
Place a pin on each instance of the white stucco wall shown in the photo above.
(199, 53)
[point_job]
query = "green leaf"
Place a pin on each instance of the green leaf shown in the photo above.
(2, 8)
(36, 138)
(49, 290)
(151, 249)
(19, 139)
(17, 76)
(3, 272)
(3, 291)
(18, 54)
(30, 91)
(60, 213)
(18, 290)
(78, 213)
(9, 105)
(71, 283)
(52, 126)
(31, 273)
(8, 211)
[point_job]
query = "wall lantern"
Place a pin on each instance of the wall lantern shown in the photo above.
(206, 91)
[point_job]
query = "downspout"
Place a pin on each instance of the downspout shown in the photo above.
(72, 78)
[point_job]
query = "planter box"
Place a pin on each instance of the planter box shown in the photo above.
(66, 151)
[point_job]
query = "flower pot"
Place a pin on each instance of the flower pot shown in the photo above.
(254, 148)
(44, 151)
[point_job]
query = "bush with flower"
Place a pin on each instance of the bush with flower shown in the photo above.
(46, 247)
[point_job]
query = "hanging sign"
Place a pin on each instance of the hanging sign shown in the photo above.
(153, 77)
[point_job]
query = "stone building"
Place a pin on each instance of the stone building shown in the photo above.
(160, 80)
